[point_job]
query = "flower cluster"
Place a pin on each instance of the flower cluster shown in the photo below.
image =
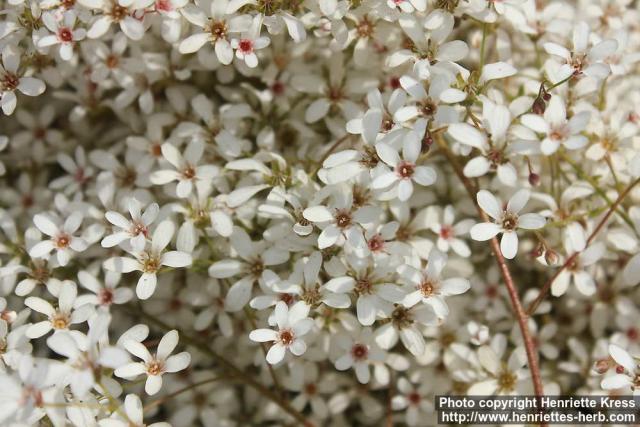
(266, 212)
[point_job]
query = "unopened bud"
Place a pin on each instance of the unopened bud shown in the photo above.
(551, 257)
(534, 179)
(546, 97)
(538, 106)
(427, 142)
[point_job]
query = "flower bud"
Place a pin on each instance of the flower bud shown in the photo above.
(534, 179)
(551, 257)
(538, 106)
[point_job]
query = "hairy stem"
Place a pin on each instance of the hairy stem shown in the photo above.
(516, 304)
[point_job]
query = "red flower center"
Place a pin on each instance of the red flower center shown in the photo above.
(446, 232)
(359, 351)
(65, 35)
(245, 46)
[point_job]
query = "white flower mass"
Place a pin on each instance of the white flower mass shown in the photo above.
(314, 213)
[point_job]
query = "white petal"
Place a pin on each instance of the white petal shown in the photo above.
(509, 244)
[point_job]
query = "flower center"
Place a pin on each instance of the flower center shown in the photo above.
(286, 337)
(164, 5)
(62, 241)
(559, 133)
(446, 232)
(117, 12)
(9, 82)
(507, 380)
(364, 287)
(311, 389)
(105, 296)
(155, 367)
(343, 218)
(189, 172)
(428, 288)
(401, 317)
(256, 268)
(414, 398)
(509, 221)
(65, 35)
(376, 243)
(218, 30)
(245, 46)
(151, 264)
(139, 228)
(405, 170)
(359, 351)
(60, 320)
(428, 108)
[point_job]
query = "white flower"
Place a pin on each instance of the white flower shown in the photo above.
(576, 272)
(10, 80)
(340, 223)
(154, 366)
(104, 294)
(582, 59)
(373, 287)
(359, 351)
(507, 220)
(493, 156)
(63, 33)
(67, 313)
(293, 324)
(61, 236)
(150, 261)
(448, 233)
(426, 286)
(123, 12)
(405, 170)
(416, 400)
(216, 22)
(557, 129)
(249, 42)
(501, 378)
(136, 229)
(626, 372)
(187, 173)
(256, 257)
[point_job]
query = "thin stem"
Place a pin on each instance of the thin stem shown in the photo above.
(224, 363)
(555, 85)
(170, 396)
(483, 45)
(547, 286)
(516, 304)
(583, 175)
(329, 152)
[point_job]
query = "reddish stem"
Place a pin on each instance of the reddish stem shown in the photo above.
(516, 304)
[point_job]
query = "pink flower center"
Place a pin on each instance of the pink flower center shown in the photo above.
(106, 296)
(405, 169)
(164, 5)
(376, 243)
